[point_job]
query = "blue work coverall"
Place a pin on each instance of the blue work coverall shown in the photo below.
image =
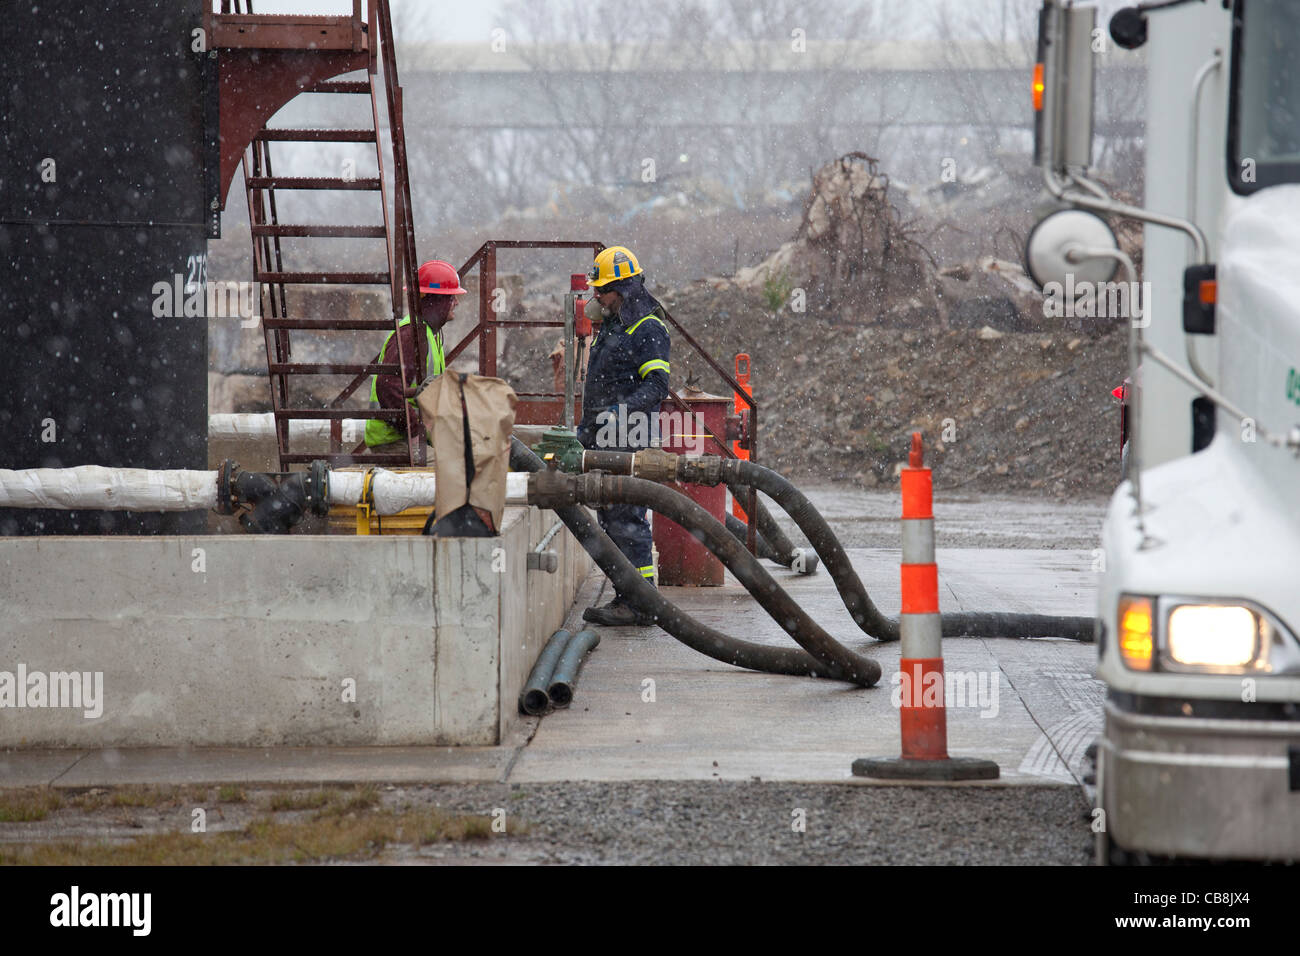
(627, 378)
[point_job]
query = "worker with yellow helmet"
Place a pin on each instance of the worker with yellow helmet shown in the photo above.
(627, 380)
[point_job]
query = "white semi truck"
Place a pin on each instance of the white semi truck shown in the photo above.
(1199, 599)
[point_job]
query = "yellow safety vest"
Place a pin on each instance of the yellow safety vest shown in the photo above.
(378, 431)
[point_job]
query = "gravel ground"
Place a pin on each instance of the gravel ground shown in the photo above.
(753, 823)
(659, 822)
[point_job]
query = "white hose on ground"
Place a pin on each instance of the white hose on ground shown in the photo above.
(253, 426)
(139, 489)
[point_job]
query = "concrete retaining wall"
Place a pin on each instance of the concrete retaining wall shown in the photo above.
(296, 640)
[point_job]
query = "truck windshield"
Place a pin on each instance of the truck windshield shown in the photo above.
(1264, 120)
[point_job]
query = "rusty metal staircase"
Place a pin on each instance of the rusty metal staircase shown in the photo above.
(266, 60)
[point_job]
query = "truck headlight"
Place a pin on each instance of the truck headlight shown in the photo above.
(1190, 634)
(1214, 636)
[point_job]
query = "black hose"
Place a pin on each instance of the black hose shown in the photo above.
(596, 488)
(534, 699)
(768, 529)
(802, 560)
(565, 678)
(771, 541)
(854, 594)
(646, 598)
(819, 534)
(740, 531)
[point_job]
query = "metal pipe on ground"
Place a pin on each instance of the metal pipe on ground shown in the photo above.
(535, 697)
(565, 678)
(646, 597)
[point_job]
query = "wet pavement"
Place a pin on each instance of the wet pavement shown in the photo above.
(869, 519)
(648, 707)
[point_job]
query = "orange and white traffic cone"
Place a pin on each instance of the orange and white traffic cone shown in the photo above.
(921, 715)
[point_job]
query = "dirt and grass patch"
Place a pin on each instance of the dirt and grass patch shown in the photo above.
(28, 805)
(273, 826)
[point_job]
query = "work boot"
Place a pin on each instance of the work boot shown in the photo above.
(617, 614)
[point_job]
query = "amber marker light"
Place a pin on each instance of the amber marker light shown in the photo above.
(1136, 632)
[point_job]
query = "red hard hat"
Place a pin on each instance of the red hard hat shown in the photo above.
(439, 278)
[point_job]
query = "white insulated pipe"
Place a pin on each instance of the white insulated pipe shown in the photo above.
(396, 491)
(253, 426)
(96, 488)
(108, 489)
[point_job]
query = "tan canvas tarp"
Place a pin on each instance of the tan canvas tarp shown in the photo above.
(490, 403)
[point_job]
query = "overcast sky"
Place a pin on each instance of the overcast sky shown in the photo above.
(455, 21)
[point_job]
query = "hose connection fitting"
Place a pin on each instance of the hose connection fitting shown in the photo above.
(655, 464)
(702, 470)
(550, 487)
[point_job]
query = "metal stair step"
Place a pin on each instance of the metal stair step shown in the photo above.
(340, 86)
(321, 230)
(346, 458)
(311, 182)
(313, 368)
(316, 135)
(324, 414)
(324, 278)
(327, 325)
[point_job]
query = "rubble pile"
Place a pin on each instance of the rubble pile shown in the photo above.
(1000, 411)
(852, 257)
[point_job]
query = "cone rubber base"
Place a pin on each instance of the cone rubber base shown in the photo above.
(901, 768)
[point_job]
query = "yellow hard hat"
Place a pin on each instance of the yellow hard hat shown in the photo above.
(612, 264)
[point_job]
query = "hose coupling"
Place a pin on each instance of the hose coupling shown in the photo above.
(655, 464)
(550, 487)
(700, 470)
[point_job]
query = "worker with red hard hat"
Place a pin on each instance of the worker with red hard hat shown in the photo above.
(439, 286)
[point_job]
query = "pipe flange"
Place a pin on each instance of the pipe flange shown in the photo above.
(317, 488)
(227, 500)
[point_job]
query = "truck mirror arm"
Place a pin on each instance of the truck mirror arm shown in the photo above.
(1102, 203)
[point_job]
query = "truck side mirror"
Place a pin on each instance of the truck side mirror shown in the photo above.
(1063, 86)
(1050, 255)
